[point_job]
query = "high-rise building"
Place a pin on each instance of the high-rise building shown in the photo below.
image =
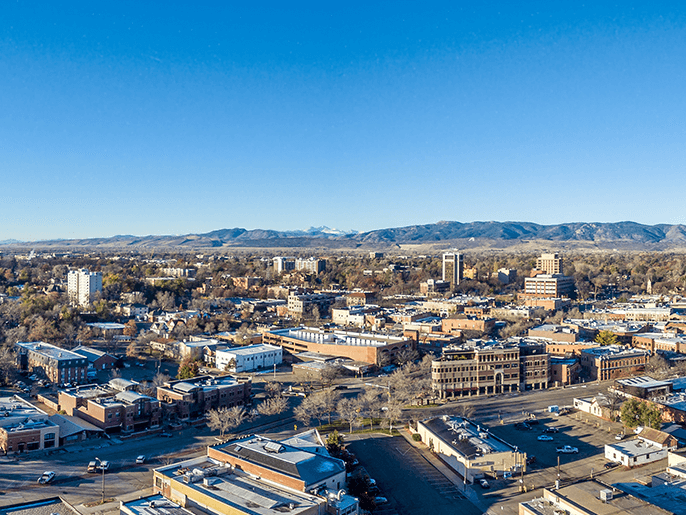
(453, 268)
(82, 285)
(312, 265)
(549, 264)
(283, 264)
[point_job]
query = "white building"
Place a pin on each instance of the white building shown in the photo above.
(249, 358)
(650, 445)
(82, 285)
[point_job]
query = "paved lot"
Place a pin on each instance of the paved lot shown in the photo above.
(407, 480)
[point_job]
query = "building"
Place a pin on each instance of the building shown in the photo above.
(505, 275)
(304, 305)
(431, 286)
(653, 342)
(257, 476)
(588, 498)
(650, 445)
(477, 368)
(82, 285)
(247, 359)
(564, 371)
(548, 285)
(195, 349)
(311, 265)
(283, 264)
(111, 408)
(24, 427)
(453, 268)
(599, 406)
(179, 272)
(186, 399)
(534, 366)
(612, 362)
(360, 298)
(97, 359)
(464, 323)
(58, 365)
(554, 332)
(371, 348)
(470, 449)
(549, 264)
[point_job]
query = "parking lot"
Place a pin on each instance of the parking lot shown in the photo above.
(407, 480)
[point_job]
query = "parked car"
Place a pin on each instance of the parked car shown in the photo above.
(380, 500)
(532, 421)
(567, 449)
(522, 426)
(619, 436)
(46, 477)
(544, 438)
(104, 465)
(531, 459)
(611, 464)
(166, 435)
(551, 430)
(484, 484)
(92, 466)
(140, 459)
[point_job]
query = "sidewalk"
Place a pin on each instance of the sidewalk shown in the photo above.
(449, 474)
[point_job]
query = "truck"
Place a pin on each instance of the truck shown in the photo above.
(567, 449)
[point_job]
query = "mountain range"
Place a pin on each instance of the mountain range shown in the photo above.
(624, 235)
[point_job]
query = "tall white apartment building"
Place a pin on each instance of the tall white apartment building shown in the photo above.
(82, 285)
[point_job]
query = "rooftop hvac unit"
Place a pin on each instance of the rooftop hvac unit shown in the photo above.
(606, 495)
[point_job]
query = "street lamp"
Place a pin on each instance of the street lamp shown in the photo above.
(103, 478)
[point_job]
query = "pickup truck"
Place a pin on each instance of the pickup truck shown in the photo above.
(567, 449)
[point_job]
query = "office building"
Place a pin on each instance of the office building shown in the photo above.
(549, 264)
(453, 268)
(82, 285)
(53, 363)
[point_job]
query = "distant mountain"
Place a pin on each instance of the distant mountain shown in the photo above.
(627, 235)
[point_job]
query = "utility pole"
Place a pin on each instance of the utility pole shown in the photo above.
(103, 480)
(557, 482)
(274, 371)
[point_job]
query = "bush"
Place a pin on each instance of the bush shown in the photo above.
(416, 437)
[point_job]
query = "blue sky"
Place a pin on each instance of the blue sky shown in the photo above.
(170, 118)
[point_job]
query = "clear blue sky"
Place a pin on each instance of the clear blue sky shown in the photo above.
(177, 117)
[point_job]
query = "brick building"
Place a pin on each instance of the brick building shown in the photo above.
(186, 399)
(58, 365)
(24, 427)
(371, 348)
(612, 361)
(111, 409)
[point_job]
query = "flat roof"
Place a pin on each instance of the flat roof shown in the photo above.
(238, 490)
(466, 437)
(51, 351)
(252, 350)
(305, 465)
(338, 337)
(155, 505)
(634, 447)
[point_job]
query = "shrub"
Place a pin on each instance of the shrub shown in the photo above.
(416, 437)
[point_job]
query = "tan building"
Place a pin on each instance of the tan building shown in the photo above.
(534, 367)
(481, 369)
(470, 449)
(564, 371)
(549, 264)
(546, 285)
(453, 324)
(568, 349)
(612, 362)
(372, 348)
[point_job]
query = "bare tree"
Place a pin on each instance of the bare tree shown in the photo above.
(273, 388)
(392, 413)
(657, 367)
(226, 419)
(349, 411)
(464, 410)
(330, 373)
(8, 363)
(372, 404)
(273, 406)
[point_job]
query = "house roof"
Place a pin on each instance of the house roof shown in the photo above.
(655, 436)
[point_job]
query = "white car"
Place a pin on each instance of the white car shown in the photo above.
(140, 459)
(567, 449)
(380, 500)
(545, 438)
(46, 477)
